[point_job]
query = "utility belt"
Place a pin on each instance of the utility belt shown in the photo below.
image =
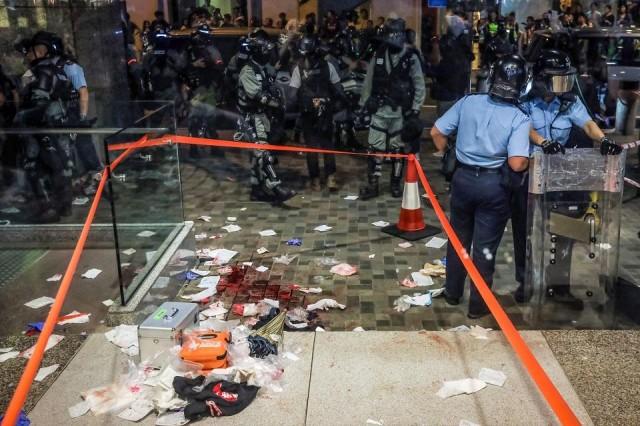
(479, 169)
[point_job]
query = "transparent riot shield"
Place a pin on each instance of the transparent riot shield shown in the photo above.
(573, 237)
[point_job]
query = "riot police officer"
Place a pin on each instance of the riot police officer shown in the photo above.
(47, 159)
(493, 137)
(393, 91)
(258, 101)
(318, 86)
(555, 111)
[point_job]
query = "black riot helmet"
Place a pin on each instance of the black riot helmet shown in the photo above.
(259, 46)
(509, 79)
(202, 34)
(554, 70)
(308, 46)
(51, 41)
(394, 34)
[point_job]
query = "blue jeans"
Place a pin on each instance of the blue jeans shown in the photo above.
(479, 213)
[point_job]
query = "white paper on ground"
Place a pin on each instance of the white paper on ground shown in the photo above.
(175, 418)
(436, 242)
(323, 228)
(380, 224)
(204, 294)
(125, 337)
(421, 280)
(249, 264)
(343, 269)
(375, 422)
(92, 273)
(204, 218)
(81, 319)
(492, 377)
(267, 233)
(437, 292)
(351, 197)
(231, 219)
(5, 350)
(320, 330)
(421, 300)
(467, 423)
(138, 410)
(262, 269)
(108, 302)
(146, 234)
(9, 355)
(480, 332)
(325, 304)
(78, 410)
(231, 228)
(201, 236)
(54, 339)
(40, 302)
(201, 272)
(460, 329)
(214, 310)
(129, 251)
(80, 201)
(43, 372)
(10, 210)
(272, 303)
(262, 250)
(358, 329)
(310, 290)
(405, 245)
(223, 256)
(458, 387)
(208, 282)
(372, 256)
(54, 278)
(285, 259)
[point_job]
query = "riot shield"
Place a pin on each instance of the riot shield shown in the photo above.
(573, 238)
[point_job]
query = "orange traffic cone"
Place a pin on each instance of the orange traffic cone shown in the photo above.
(411, 225)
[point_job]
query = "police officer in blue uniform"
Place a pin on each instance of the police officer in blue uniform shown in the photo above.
(492, 140)
(554, 112)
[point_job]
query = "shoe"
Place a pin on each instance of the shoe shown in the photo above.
(520, 296)
(331, 183)
(282, 194)
(257, 194)
(396, 190)
(368, 192)
(478, 314)
(314, 184)
(453, 301)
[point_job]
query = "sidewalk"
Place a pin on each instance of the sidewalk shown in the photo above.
(346, 378)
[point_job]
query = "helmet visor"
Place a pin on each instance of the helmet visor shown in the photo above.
(560, 83)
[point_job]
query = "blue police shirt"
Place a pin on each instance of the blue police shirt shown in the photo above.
(488, 131)
(550, 123)
(75, 74)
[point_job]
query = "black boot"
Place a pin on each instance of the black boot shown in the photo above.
(258, 194)
(282, 194)
(396, 189)
(396, 176)
(374, 165)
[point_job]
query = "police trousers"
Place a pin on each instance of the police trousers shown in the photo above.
(318, 135)
(385, 129)
(479, 213)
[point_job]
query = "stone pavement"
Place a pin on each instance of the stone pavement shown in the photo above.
(348, 378)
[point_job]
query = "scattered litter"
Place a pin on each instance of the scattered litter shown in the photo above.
(214, 310)
(5, 350)
(408, 282)
(129, 251)
(460, 329)
(80, 201)
(326, 261)
(9, 355)
(40, 302)
(201, 272)
(200, 237)
(436, 242)
(146, 234)
(375, 422)
(243, 209)
(34, 328)
(405, 245)
(209, 282)
(231, 228)
(421, 280)
(358, 329)
(231, 219)
(139, 410)
(434, 270)
(54, 278)
(92, 273)
(45, 371)
(79, 410)
(403, 303)
(351, 197)
(262, 250)
(205, 218)
(10, 210)
(268, 233)
(323, 228)
(320, 330)
(74, 317)
(372, 256)
(284, 259)
(223, 256)
(437, 292)
(245, 309)
(125, 337)
(380, 224)
(311, 290)
(458, 387)
(492, 377)
(108, 302)
(54, 339)
(204, 294)
(479, 332)
(294, 242)
(467, 423)
(262, 269)
(344, 269)
(325, 304)
(172, 418)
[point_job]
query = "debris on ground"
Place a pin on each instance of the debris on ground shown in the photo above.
(310, 290)
(40, 302)
(285, 259)
(459, 387)
(268, 233)
(125, 337)
(403, 303)
(294, 242)
(434, 270)
(325, 304)
(323, 228)
(91, 273)
(344, 269)
(492, 377)
(358, 329)
(54, 339)
(54, 278)
(421, 280)
(232, 228)
(380, 224)
(262, 250)
(43, 372)
(436, 242)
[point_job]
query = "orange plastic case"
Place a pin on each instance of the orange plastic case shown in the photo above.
(206, 347)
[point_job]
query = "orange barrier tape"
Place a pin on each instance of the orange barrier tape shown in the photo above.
(545, 385)
(31, 370)
(189, 140)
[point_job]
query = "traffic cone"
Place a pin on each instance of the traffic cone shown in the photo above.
(411, 225)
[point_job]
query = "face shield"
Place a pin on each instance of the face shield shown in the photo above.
(560, 84)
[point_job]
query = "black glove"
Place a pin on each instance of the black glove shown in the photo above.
(609, 147)
(552, 147)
